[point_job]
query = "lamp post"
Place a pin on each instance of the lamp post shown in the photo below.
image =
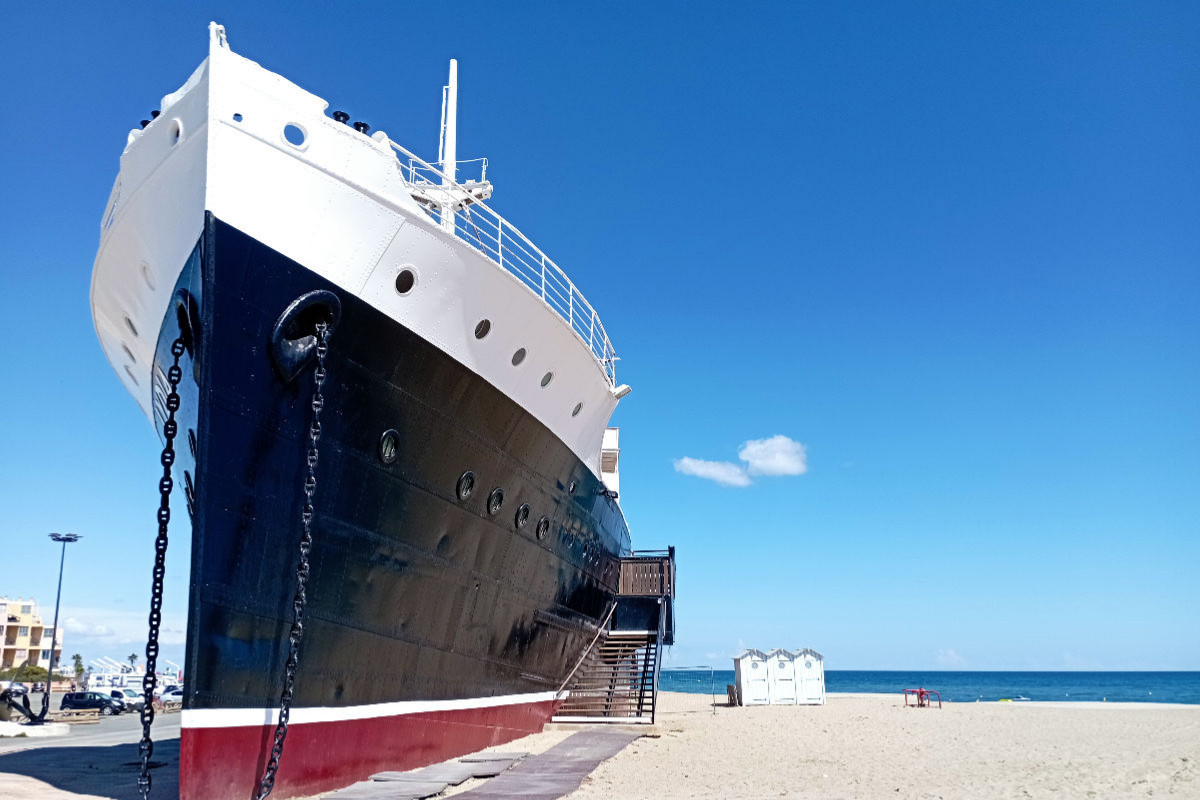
(65, 538)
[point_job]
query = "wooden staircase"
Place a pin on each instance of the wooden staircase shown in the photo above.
(616, 679)
(617, 682)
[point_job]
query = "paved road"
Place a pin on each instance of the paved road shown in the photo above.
(125, 729)
(96, 760)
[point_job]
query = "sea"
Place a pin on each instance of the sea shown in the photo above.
(1114, 687)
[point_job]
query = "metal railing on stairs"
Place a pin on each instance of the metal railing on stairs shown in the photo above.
(616, 678)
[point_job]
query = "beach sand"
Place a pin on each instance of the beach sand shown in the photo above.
(871, 746)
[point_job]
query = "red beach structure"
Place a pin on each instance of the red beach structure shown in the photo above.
(922, 697)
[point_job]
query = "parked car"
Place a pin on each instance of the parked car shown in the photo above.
(173, 696)
(17, 689)
(103, 703)
(132, 698)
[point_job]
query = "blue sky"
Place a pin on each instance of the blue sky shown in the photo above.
(949, 248)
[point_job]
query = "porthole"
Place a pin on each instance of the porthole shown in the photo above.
(129, 324)
(128, 352)
(176, 131)
(406, 279)
(295, 135)
(522, 515)
(389, 446)
(483, 328)
(237, 117)
(575, 411)
(132, 377)
(543, 527)
(147, 275)
(192, 442)
(549, 376)
(518, 357)
(466, 485)
(571, 487)
(495, 501)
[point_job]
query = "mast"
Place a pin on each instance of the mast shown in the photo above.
(449, 148)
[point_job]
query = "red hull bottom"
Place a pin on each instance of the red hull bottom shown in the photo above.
(227, 763)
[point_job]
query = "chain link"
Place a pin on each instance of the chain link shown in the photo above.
(302, 570)
(165, 484)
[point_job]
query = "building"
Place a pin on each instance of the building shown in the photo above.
(26, 640)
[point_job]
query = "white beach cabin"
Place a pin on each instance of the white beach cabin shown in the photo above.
(781, 672)
(750, 675)
(810, 677)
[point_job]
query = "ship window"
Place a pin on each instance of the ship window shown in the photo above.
(543, 527)
(132, 377)
(176, 131)
(237, 117)
(549, 376)
(522, 515)
(389, 446)
(483, 328)
(405, 281)
(518, 357)
(575, 411)
(132, 328)
(147, 275)
(495, 501)
(128, 352)
(294, 135)
(466, 485)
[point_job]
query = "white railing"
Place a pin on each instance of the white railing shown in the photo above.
(505, 246)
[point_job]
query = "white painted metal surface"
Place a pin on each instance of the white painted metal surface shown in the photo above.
(343, 205)
(237, 717)
(810, 677)
(448, 152)
(781, 671)
(610, 459)
(750, 676)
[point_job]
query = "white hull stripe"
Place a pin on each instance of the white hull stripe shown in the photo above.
(247, 717)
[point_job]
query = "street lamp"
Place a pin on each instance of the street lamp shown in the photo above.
(65, 538)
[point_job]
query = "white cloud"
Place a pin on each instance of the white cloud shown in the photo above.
(723, 472)
(777, 455)
(950, 658)
(95, 631)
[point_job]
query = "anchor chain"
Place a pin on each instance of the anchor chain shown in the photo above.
(165, 484)
(302, 569)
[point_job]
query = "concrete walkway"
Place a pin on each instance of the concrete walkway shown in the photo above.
(558, 771)
(98, 760)
(546, 776)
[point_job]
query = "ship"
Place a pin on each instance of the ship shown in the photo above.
(385, 424)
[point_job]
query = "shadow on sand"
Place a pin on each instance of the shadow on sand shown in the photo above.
(110, 772)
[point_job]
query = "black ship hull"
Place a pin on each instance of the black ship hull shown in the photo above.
(435, 623)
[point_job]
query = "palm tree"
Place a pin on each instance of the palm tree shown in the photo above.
(78, 662)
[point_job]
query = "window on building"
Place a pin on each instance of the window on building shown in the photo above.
(23, 630)
(45, 655)
(26, 609)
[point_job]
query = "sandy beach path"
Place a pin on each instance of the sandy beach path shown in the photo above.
(871, 746)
